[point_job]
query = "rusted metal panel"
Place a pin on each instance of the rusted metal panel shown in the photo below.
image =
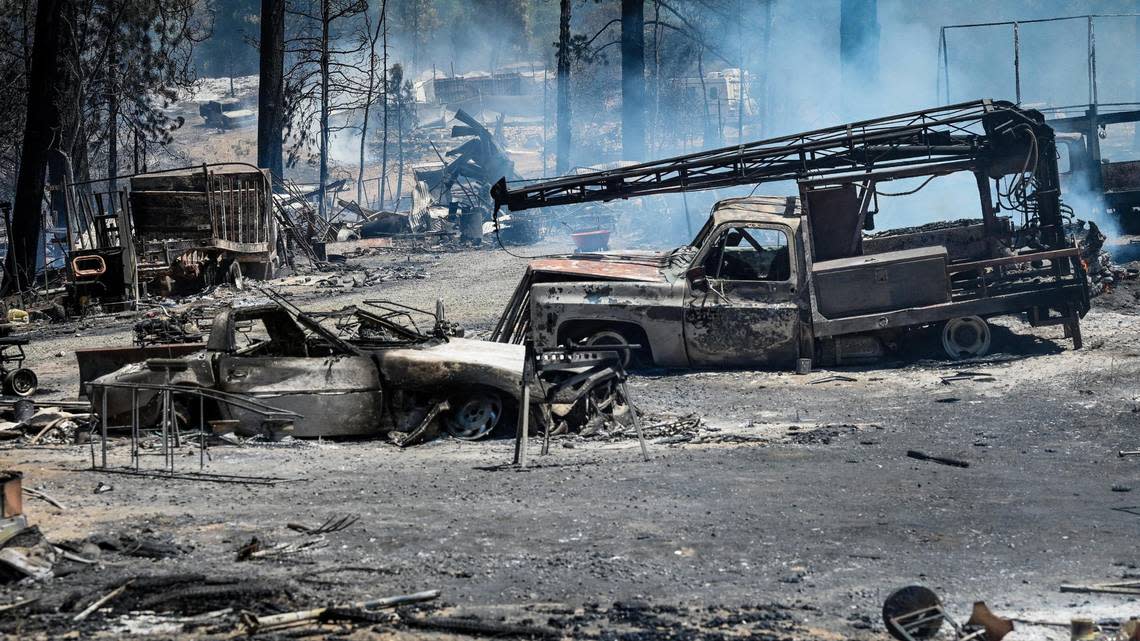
(601, 269)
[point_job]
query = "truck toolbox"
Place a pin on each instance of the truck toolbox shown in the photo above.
(882, 282)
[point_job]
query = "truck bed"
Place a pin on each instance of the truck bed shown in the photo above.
(1047, 280)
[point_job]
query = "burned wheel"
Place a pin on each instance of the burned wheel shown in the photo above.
(21, 382)
(966, 337)
(474, 415)
(606, 337)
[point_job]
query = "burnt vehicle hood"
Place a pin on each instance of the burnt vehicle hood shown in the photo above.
(457, 363)
(646, 267)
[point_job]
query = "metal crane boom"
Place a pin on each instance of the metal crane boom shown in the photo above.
(990, 138)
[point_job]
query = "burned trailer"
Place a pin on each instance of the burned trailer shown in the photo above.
(205, 224)
(770, 281)
(169, 231)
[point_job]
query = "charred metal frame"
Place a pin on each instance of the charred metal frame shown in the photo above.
(986, 137)
(1096, 113)
(172, 438)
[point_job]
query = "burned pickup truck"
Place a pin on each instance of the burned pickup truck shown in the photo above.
(771, 280)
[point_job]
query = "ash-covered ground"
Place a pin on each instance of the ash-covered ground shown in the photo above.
(789, 514)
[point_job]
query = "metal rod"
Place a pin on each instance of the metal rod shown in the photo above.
(103, 424)
(1056, 19)
(163, 419)
(1092, 64)
(201, 432)
(134, 425)
(1017, 63)
(524, 407)
(636, 421)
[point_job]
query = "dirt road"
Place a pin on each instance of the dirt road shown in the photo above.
(793, 517)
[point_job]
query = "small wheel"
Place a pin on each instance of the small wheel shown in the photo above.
(966, 337)
(21, 382)
(605, 337)
(474, 416)
(908, 600)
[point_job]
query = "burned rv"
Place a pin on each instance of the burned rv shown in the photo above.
(772, 281)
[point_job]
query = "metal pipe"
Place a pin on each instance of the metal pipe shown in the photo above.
(1017, 63)
(103, 423)
(201, 432)
(134, 425)
(1092, 63)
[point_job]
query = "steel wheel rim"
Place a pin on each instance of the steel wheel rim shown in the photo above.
(475, 416)
(966, 337)
(23, 382)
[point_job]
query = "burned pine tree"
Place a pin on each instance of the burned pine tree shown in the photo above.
(372, 86)
(320, 79)
(633, 79)
(562, 115)
(271, 88)
(137, 55)
(48, 88)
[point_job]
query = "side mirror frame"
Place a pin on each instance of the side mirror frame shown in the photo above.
(698, 278)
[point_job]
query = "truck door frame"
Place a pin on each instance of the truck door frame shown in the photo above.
(744, 323)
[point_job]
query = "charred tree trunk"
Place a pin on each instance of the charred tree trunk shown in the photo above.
(858, 53)
(399, 146)
(271, 88)
(324, 152)
(113, 117)
(47, 89)
(633, 79)
(763, 103)
(562, 114)
(369, 98)
(384, 140)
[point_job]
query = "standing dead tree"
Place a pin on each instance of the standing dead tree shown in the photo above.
(633, 79)
(399, 99)
(48, 88)
(321, 80)
(271, 88)
(16, 20)
(372, 85)
(562, 113)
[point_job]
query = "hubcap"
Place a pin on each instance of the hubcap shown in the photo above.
(475, 416)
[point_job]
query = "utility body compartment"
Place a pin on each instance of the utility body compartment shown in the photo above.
(881, 282)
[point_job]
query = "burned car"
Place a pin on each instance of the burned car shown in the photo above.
(362, 371)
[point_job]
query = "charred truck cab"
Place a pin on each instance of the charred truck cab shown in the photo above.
(770, 280)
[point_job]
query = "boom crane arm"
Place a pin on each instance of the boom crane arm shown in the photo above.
(989, 138)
